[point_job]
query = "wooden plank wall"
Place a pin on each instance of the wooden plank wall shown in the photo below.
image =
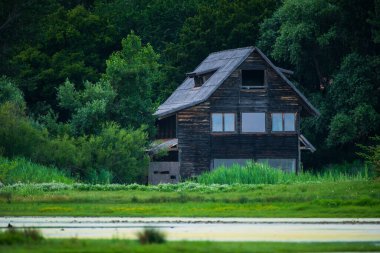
(166, 128)
(194, 140)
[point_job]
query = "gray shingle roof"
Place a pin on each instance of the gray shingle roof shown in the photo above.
(225, 62)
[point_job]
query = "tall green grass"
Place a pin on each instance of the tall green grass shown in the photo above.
(258, 173)
(20, 170)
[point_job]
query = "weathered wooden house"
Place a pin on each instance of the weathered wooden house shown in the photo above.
(234, 107)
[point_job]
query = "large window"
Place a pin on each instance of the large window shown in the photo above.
(252, 78)
(223, 122)
(253, 122)
(287, 165)
(283, 122)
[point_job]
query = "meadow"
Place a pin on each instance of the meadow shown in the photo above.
(313, 199)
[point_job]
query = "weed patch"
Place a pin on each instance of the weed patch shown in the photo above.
(13, 236)
(150, 236)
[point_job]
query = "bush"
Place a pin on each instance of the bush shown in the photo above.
(13, 236)
(21, 170)
(119, 150)
(151, 235)
(18, 135)
(372, 155)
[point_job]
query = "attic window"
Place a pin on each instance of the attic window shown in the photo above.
(200, 77)
(252, 79)
(199, 80)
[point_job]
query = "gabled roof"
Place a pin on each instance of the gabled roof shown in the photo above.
(224, 62)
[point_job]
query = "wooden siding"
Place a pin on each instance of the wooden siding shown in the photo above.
(194, 140)
(166, 128)
(198, 145)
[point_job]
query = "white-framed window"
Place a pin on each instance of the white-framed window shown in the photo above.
(287, 165)
(223, 122)
(253, 122)
(283, 122)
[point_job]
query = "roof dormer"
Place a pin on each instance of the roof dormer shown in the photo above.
(200, 77)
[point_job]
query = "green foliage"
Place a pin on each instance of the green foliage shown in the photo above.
(218, 25)
(121, 151)
(352, 98)
(16, 237)
(90, 107)
(18, 135)
(304, 34)
(69, 43)
(114, 154)
(9, 92)
(20, 170)
(132, 72)
(371, 154)
(150, 236)
(257, 173)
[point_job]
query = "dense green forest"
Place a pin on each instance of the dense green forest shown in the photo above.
(79, 79)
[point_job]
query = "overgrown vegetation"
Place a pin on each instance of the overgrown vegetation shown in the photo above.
(115, 154)
(150, 236)
(261, 173)
(21, 170)
(12, 236)
(371, 154)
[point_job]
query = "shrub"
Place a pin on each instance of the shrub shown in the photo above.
(371, 154)
(119, 150)
(151, 235)
(18, 135)
(13, 236)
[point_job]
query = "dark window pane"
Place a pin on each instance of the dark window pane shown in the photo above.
(252, 77)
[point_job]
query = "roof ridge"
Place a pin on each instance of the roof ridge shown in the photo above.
(232, 49)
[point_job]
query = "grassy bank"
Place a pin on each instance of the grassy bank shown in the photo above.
(318, 199)
(113, 246)
(21, 170)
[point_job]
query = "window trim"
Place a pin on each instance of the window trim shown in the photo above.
(265, 123)
(223, 131)
(250, 87)
(283, 122)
